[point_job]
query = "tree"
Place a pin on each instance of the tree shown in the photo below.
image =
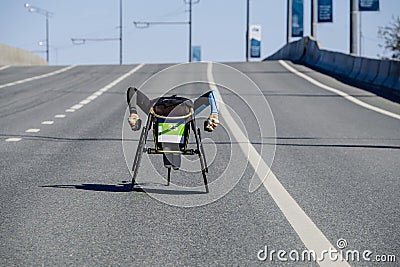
(391, 37)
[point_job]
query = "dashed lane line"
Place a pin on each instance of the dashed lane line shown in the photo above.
(85, 101)
(102, 90)
(82, 103)
(77, 106)
(13, 139)
(32, 130)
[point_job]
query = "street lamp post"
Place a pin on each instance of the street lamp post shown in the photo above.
(81, 41)
(353, 26)
(146, 24)
(120, 32)
(247, 29)
(47, 14)
(43, 43)
(190, 30)
(289, 21)
(314, 18)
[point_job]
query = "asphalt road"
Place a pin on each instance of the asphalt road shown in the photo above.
(66, 151)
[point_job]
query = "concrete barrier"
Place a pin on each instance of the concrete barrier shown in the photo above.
(312, 55)
(356, 68)
(340, 60)
(329, 61)
(294, 51)
(393, 79)
(383, 73)
(322, 60)
(299, 49)
(380, 74)
(344, 64)
(362, 74)
(369, 70)
(18, 57)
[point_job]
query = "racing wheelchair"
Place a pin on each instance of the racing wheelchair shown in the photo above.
(171, 119)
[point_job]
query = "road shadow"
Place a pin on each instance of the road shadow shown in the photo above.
(125, 187)
(324, 142)
(278, 142)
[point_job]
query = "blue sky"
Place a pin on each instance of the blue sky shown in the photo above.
(218, 27)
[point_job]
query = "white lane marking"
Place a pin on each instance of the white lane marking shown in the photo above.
(92, 97)
(77, 106)
(306, 229)
(102, 90)
(338, 92)
(85, 101)
(97, 93)
(4, 67)
(13, 139)
(120, 79)
(38, 77)
(33, 130)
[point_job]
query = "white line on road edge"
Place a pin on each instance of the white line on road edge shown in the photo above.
(38, 77)
(102, 90)
(4, 67)
(306, 229)
(338, 92)
(13, 139)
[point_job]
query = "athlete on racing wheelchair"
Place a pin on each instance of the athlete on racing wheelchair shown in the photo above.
(171, 119)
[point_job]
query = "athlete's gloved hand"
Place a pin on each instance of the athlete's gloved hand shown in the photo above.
(211, 123)
(135, 122)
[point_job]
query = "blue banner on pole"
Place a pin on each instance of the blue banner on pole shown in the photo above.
(255, 41)
(325, 13)
(196, 53)
(368, 5)
(297, 18)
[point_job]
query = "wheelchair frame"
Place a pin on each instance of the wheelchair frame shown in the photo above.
(151, 122)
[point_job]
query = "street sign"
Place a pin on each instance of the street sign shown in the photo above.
(196, 53)
(255, 41)
(297, 18)
(325, 13)
(368, 5)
